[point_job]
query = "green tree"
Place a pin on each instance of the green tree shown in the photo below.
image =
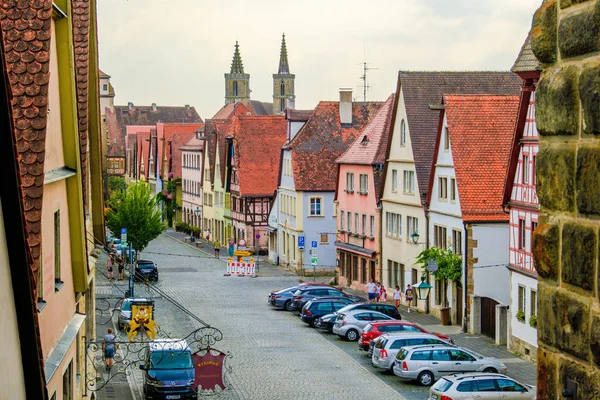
(116, 183)
(449, 265)
(169, 199)
(135, 209)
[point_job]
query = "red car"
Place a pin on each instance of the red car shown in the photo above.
(378, 328)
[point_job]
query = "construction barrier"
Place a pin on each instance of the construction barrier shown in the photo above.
(240, 268)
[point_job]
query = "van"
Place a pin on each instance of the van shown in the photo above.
(169, 370)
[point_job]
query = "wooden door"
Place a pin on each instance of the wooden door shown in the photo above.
(488, 316)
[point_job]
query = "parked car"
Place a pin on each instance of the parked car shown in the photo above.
(146, 270)
(426, 364)
(282, 298)
(387, 309)
(326, 322)
(387, 346)
(125, 312)
(318, 307)
(350, 323)
(376, 329)
(304, 294)
(169, 370)
(479, 385)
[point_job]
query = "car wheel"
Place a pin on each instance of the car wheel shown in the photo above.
(352, 335)
(391, 370)
(315, 323)
(490, 370)
(425, 378)
(288, 306)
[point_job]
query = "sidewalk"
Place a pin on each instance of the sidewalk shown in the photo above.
(518, 368)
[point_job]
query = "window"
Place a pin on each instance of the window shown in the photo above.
(521, 233)
(105, 87)
(394, 180)
(414, 276)
(446, 139)
(522, 298)
(282, 90)
(457, 241)
(315, 207)
(364, 224)
(388, 217)
(349, 221)
(68, 382)
(534, 225)
(506, 385)
(402, 133)
(412, 226)
(533, 302)
(533, 170)
(364, 183)
(342, 216)
(324, 238)
(443, 188)
(452, 189)
(525, 169)
(409, 181)
(40, 281)
(363, 270)
(372, 226)
(235, 88)
(439, 237)
(349, 182)
(356, 223)
(394, 224)
(57, 246)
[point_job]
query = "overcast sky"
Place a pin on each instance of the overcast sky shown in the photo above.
(175, 52)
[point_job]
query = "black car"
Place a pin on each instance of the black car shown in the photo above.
(146, 270)
(316, 308)
(326, 322)
(303, 295)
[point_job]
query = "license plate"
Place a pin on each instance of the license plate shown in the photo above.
(433, 397)
(173, 396)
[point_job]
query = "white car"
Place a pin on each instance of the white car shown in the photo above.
(480, 386)
(350, 324)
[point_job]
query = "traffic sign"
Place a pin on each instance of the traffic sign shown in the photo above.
(242, 253)
(258, 236)
(432, 266)
(242, 242)
(313, 261)
(300, 242)
(313, 244)
(123, 234)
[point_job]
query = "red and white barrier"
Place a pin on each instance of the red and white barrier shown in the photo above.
(240, 268)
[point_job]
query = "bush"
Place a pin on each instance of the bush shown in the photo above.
(533, 321)
(520, 316)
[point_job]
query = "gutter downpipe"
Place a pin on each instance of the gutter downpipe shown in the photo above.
(426, 207)
(380, 244)
(465, 279)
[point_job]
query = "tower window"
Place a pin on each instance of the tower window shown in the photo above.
(235, 88)
(282, 105)
(282, 88)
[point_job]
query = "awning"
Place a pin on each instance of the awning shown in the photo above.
(355, 249)
(63, 345)
(271, 228)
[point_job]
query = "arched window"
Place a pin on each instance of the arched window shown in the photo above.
(402, 133)
(282, 88)
(235, 88)
(282, 105)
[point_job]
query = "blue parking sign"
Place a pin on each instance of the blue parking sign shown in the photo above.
(123, 231)
(300, 241)
(313, 244)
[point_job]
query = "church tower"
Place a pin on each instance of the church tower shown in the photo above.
(283, 84)
(237, 83)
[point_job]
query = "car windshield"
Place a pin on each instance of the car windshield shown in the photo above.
(126, 306)
(402, 354)
(171, 359)
(380, 344)
(442, 385)
(347, 308)
(146, 265)
(288, 290)
(368, 328)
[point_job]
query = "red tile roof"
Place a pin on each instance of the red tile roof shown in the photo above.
(165, 131)
(227, 110)
(177, 141)
(257, 142)
(481, 129)
(322, 140)
(423, 88)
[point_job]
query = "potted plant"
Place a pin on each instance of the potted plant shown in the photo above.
(520, 316)
(533, 321)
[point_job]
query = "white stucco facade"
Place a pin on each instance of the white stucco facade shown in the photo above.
(490, 275)
(191, 186)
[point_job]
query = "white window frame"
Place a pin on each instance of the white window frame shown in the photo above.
(526, 169)
(402, 133)
(409, 182)
(342, 216)
(443, 188)
(317, 200)
(363, 183)
(372, 226)
(394, 180)
(349, 182)
(452, 190)
(446, 139)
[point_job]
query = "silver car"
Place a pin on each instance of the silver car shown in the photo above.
(387, 346)
(480, 386)
(125, 312)
(426, 364)
(349, 324)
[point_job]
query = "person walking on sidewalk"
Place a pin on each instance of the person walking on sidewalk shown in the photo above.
(409, 296)
(109, 267)
(231, 247)
(371, 291)
(217, 245)
(108, 347)
(121, 267)
(397, 297)
(382, 295)
(377, 292)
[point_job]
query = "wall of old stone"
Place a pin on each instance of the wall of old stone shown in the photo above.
(566, 39)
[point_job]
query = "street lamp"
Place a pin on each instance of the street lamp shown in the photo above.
(415, 237)
(423, 288)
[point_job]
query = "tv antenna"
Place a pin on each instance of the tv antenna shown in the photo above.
(365, 84)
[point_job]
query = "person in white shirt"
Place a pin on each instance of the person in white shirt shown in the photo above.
(371, 287)
(377, 292)
(397, 297)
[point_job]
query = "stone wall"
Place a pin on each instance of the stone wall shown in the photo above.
(566, 39)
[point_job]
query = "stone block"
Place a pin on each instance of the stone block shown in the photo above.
(555, 172)
(547, 368)
(557, 102)
(568, 3)
(543, 33)
(571, 322)
(595, 338)
(587, 378)
(589, 93)
(579, 245)
(578, 34)
(546, 329)
(588, 178)
(546, 246)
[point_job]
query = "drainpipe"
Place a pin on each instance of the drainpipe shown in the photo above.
(380, 244)
(426, 207)
(465, 279)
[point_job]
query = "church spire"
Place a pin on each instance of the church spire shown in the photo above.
(236, 65)
(284, 68)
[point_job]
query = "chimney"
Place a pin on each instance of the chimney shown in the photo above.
(130, 106)
(187, 107)
(345, 106)
(153, 106)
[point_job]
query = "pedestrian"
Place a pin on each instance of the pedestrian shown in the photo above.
(121, 267)
(409, 296)
(109, 267)
(207, 235)
(108, 347)
(231, 247)
(377, 291)
(371, 291)
(217, 248)
(382, 295)
(397, 297)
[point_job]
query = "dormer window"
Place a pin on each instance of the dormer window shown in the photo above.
(364, 140)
